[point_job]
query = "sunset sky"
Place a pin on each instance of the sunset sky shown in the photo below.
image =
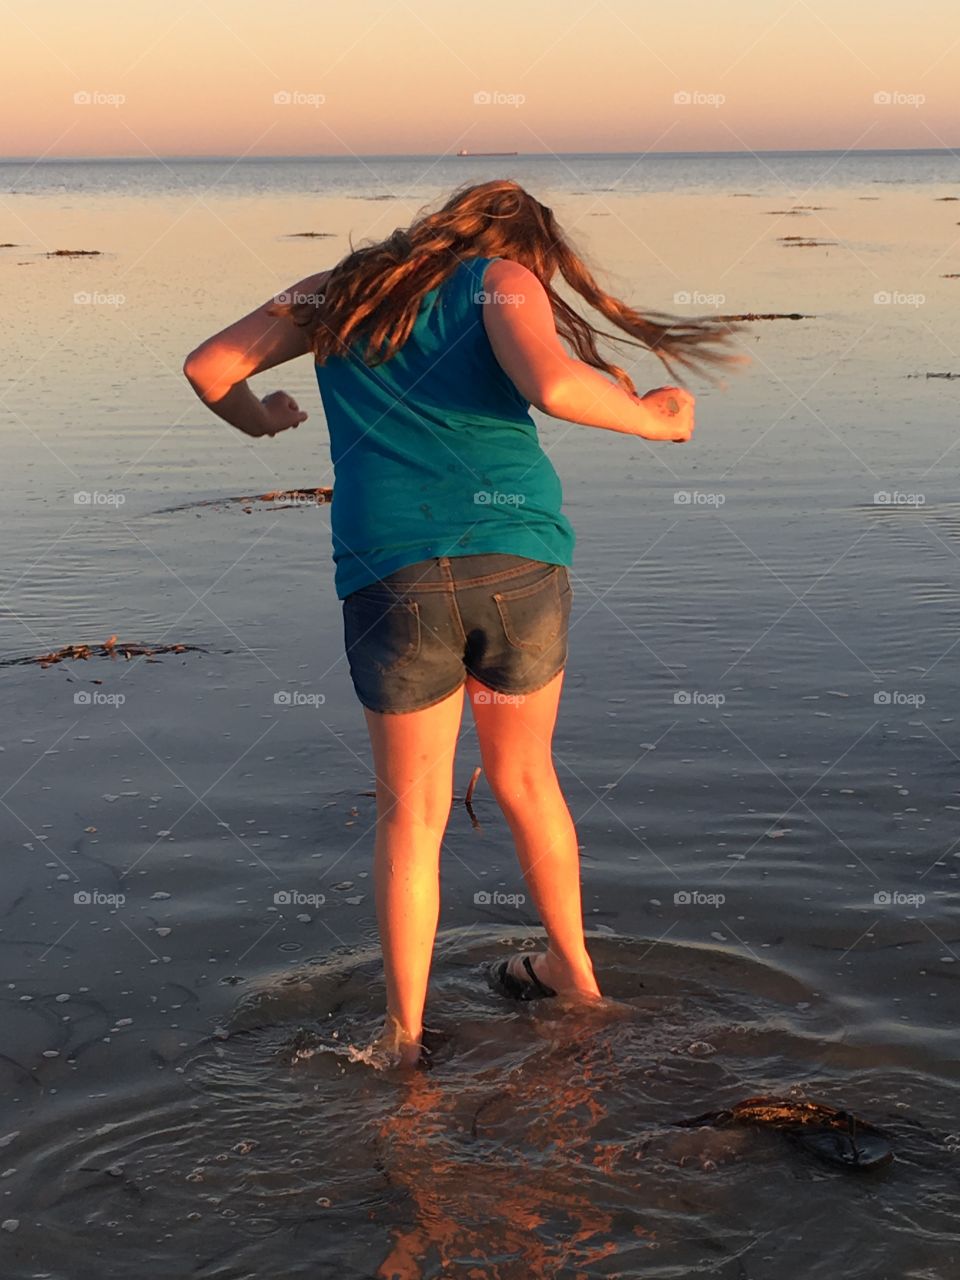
(201, 77)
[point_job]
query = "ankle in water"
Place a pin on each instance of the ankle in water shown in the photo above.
(569, 974)
(395, 1040)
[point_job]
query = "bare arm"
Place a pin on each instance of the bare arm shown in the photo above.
(519, 322)
(218, 368)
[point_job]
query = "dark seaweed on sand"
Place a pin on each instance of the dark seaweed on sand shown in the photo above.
(111, 648)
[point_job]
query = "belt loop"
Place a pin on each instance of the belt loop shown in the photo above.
(446, 570)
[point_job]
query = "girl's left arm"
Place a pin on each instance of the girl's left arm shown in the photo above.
(218, 368)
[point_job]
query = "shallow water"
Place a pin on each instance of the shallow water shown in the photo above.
(758, 741)
(539, 1143)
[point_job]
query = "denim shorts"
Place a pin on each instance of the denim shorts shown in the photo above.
(413, 637)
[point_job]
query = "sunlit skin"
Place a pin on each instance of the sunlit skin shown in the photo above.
(414, 752)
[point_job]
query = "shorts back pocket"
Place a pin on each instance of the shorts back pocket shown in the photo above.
(381, 631)
(534, 616)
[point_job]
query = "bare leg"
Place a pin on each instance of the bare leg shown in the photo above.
(413, 756)
(515, 747)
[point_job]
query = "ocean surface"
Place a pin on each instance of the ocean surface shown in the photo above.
(758, 740)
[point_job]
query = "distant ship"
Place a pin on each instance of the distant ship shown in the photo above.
(461, 152)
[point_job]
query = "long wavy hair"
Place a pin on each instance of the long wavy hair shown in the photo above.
(372, 295)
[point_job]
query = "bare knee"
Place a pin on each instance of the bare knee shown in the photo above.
(412, 819)
(517, 785)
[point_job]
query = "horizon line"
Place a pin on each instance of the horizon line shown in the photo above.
(441, 155)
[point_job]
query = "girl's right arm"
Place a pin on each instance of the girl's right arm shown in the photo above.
(519, 322)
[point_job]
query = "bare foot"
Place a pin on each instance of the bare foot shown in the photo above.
(403, 1048)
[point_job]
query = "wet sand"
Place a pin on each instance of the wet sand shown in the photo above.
(758, 741)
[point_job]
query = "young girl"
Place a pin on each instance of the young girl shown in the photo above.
(450, 545)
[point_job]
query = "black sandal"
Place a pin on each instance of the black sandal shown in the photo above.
(503, 981)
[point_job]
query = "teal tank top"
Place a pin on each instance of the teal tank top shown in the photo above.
(435, 452)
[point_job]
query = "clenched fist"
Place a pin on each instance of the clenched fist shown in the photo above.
(281, 412)
(671, 414)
